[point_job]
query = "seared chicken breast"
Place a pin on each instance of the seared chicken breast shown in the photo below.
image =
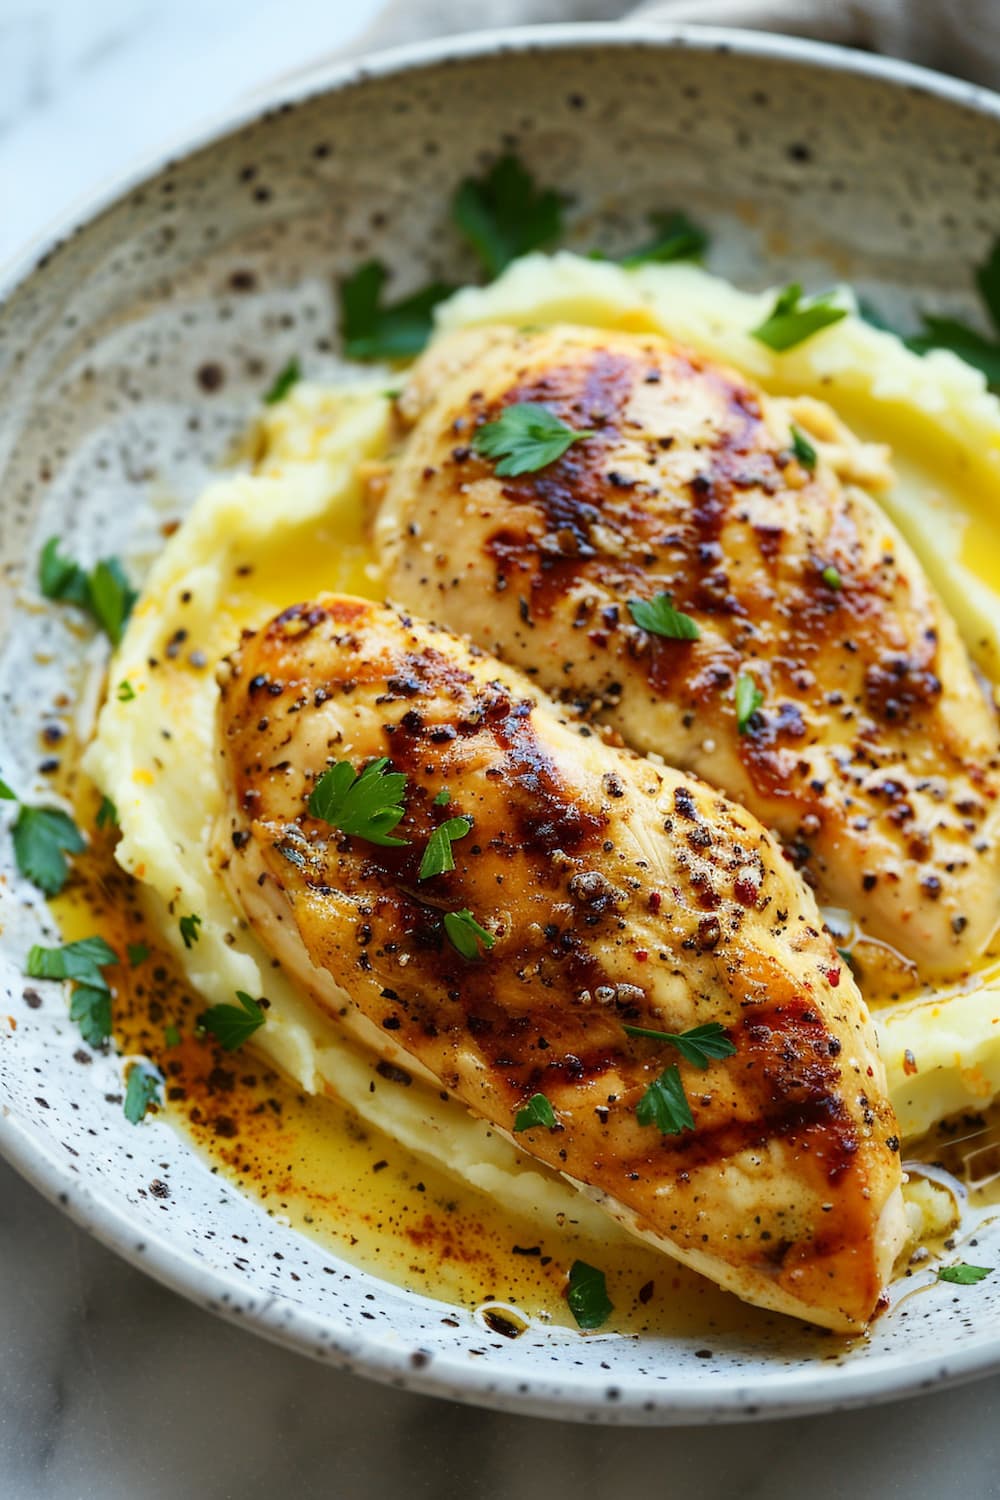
(607, 893)
(859, 734)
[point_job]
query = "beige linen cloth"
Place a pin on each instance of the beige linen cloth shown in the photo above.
(955, 36)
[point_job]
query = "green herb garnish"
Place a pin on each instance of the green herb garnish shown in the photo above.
(658, 617)
(526, 437)
(438, 858)
(126, 692)
(465, 933)
(443, 798)
(42, 838)
(963, 1275)
(232, 1025)
(831, 577)
(6, 795)
(791, 321)
(189, 929)
(587, 1295)
(171, 1035)
(665, 1104)
(367, 804)
(505, 214)
(105, 593)
(141, 1090)
(107, 814)
(82, 962)
(137, 954)
(803, 448)
(676, 237)
(537, 1111)
(373, 330)
(699, 1046)
(748, 699)
(283, 382)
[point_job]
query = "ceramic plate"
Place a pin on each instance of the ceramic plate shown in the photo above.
(135, 349)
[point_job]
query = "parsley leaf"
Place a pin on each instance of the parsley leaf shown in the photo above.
(107, 814)
(438, 858)
(126, 692)
(232, 1025)
(658, 616)
(963, 1275)
(791, 321)
(189, 930)
(105, 593)
(465, 933)
(373, 330)
(6, 795)
(748, 699)
(699, 1045)
(587, 1295)
(41, 835)
(526, 437)
(171, 1035)
(137, 954)
(366, 803)
(283, 382)
(111, 598)
(537, 1111)
(60, 577)
(665, 1104)
(90, 1008)
(443, 798)
(676, 237)
(141, 1090)
(831, 577)
(505, 214)
(82, 961)
(803, 448)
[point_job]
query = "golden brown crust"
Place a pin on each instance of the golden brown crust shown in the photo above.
(617, 893)
(875, 752)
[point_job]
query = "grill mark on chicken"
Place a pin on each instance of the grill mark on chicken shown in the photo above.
(690, 486)
(618, 893)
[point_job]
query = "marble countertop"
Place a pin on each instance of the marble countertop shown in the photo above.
(111, 1386)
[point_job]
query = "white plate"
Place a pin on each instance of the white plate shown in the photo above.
(110, 350)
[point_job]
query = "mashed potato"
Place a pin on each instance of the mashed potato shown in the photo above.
(258, 541)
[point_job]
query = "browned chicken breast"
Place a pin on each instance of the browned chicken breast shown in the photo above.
(872, 750)
(591, 892)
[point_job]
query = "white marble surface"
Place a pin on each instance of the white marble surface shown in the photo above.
(113, 1387)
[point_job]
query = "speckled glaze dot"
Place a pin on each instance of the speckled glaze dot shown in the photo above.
(131, 357)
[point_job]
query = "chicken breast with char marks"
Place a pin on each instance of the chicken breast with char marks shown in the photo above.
(615, 894)
(873, 750)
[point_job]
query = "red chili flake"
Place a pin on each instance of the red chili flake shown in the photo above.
(909, 1063)
(655, 900)
(640, 955)
(833, 975)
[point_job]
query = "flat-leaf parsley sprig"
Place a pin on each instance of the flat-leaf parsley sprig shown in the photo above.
(699, 1045)
(791, 320)
(43, 836)
(526, 437)
(367, 803)
(105, 592)
(505, 213)
(438, 858)
(232, 1025)
(82, 962)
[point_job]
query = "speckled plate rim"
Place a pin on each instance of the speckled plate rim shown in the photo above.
(572, 1394)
